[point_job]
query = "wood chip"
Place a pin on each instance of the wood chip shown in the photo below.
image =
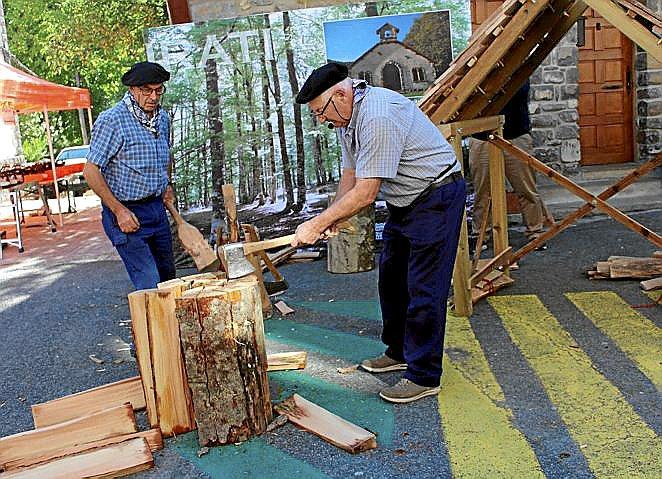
(280, 421)
(283, 308)
(348, 369)
(94, 359)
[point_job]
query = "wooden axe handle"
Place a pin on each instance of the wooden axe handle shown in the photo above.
(254, 246)
(267, 244)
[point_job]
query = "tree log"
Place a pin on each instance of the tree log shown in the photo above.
(354, 251)
(226, 362)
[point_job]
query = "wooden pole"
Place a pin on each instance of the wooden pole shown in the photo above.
(498, 195)
(498, 141)
(52, 155)
(462, 268)
(89, 119)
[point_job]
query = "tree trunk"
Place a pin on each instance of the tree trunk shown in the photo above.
(256, 176)
(223, 340)
(285, 159)
(216, 146)
(243, 187)
(320, 172)
(266, 113)
(371, 9)
(298, 127)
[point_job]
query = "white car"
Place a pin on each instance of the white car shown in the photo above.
(73, 155)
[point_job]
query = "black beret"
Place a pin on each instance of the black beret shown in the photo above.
(145, 72)
(320, 80)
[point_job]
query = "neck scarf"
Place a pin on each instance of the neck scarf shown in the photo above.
(151, 123)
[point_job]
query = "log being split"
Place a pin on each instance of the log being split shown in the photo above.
(226, 363)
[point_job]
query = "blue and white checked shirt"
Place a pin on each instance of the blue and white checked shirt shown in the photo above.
(133, 162)
(390, 138)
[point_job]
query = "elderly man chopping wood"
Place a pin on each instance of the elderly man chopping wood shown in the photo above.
(388, 144)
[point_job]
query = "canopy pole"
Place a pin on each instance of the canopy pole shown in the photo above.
(50, 150)
(89, 119)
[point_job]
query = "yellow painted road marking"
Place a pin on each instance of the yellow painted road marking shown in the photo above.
(469, 357)
(612, 437)
(481, 440)
(634, 334)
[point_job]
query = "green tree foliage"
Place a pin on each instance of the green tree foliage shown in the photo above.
(96, 39)
(429, 35)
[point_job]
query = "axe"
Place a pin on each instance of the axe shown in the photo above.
(194, 243)
(233, 255)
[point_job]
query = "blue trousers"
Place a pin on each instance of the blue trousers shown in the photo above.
(147, 253)
(415, 270)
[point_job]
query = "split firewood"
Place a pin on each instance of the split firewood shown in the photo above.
(326, 425)
(622, 267)
(116, 460)
(152, 436)
(287, 361)
(652, 284)
(90, 401)
(94, 427)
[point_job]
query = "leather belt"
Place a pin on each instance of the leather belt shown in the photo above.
(141, 201)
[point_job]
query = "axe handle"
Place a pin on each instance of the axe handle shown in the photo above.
(254, 246)
(267, 244)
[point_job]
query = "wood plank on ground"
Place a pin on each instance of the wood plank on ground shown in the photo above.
(334, 429)
(152, 436)
(112, 461)
(90, 401)
(93, 427)
(286, 361)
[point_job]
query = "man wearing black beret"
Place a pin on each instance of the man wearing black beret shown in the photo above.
(389, 145)
(128, 168)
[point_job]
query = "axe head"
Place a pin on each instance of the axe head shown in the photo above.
(234, 260)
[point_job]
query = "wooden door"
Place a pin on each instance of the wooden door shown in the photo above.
(605, 94)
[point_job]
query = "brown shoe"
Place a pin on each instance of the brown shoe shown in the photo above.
(406, 391)
(383, 364)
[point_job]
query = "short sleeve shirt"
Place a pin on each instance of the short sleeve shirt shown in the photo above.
(132, 160)
(390, 138)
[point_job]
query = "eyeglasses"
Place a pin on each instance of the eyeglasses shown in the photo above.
(147, 91)
(321, 113)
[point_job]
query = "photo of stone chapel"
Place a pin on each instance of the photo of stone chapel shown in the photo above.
(402, 55)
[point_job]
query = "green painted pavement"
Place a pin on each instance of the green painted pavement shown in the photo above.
(364, 309)
(254, 459)
(324, 341)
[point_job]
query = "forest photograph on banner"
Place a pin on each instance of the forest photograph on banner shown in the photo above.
(231, 98)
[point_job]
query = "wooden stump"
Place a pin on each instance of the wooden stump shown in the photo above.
(354, 251)
(222, 336)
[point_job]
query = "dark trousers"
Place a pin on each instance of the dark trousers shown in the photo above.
(147, 253)
(415, 270)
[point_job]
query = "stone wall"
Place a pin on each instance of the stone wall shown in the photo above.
(553, 102)
(649, 98)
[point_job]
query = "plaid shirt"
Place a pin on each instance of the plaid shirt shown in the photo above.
(132, 160)
(390, 138)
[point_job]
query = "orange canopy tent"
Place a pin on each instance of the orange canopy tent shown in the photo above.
(21, 92)
(24, 93)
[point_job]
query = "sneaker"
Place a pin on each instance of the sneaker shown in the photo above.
(542, 247)
(406, 391)
(383, 364)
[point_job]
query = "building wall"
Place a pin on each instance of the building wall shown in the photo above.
(10, 139)
(406, 59)
(553, 103)
(648, 98)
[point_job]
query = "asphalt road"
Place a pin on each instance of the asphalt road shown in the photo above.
(536, 384)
